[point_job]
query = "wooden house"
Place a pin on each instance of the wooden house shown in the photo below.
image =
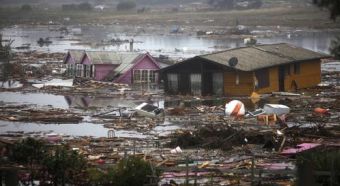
(72, 58)
(98, 64)
(241, 71)
(129, 68)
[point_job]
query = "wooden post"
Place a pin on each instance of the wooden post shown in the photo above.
(252, 171)
(187, 170)
(332, 180)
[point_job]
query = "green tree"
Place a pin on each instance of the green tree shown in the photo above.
(334, 8)
(65, 166)
(29, 152)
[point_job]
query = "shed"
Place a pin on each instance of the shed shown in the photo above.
(241, 71)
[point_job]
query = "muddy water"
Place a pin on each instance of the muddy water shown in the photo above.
(174, 45)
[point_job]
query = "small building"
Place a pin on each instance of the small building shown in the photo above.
(72, 58)
(129, 68)
(241, 71)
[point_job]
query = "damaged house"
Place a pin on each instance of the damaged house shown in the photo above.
(72, 58)
(241, 71)
(129, 68)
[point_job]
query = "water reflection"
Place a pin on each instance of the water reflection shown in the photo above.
(39, 99)
(82, 129)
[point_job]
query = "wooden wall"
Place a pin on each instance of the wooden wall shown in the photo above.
(273, 81)
(245, 86)
(309, 76)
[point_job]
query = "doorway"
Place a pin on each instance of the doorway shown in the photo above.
(282, 78)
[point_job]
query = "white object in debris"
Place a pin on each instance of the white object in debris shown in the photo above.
(149, 110)
(176, 150)
(38, 85)
(276, 109)
(60, 82)
(331, 67)
(235, 108)
(278, 132)
(285, 94)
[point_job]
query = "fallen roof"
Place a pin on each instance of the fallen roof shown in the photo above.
(261, 56)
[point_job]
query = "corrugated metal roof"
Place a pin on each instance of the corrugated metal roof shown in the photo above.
(262, 56)
(127, 62)
(124, 60)
(77, 55)
(104, 57)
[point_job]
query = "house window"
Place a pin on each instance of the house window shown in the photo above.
(144, 76)
(172, 82)
(79, 70)
(196, 82)
(70, 69)
(262, 77)
(87, 69)
(136, 76)
(73, 69)
(152, 76)
(296, 68)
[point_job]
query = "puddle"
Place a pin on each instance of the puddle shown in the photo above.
(40, 99)
(82, 129)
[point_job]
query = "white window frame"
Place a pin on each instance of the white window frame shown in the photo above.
(145, 76)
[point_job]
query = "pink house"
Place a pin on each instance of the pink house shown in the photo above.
(129, 68)
(142, 69)
(98, 64)
(72, 58)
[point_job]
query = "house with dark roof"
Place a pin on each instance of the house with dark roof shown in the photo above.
(241, 71)
(129, 68)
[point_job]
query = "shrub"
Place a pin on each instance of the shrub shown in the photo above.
(132, 171)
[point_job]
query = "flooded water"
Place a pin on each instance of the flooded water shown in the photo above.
(39, 99)
(94, 127)
(81, 129)
(182, 45)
